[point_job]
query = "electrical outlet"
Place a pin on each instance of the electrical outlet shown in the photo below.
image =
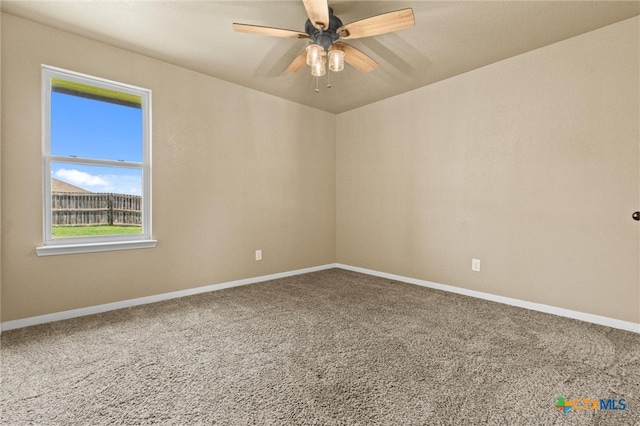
(258, 254)
(475, 265)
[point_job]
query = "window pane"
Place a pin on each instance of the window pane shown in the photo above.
(97, 162)
(95, 127)
(95, 200)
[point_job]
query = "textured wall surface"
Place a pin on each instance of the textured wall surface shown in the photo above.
(529, 164)
(260, 169)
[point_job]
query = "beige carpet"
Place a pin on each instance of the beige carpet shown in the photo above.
(326, 348)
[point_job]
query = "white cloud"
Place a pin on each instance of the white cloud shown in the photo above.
(120, 184)
(82, 179)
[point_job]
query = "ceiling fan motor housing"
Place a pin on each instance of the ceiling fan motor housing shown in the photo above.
(327, 37)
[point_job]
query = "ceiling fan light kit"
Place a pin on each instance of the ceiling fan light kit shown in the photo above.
(314, 54)
(336, 60)
(318, 69)
(324, 30)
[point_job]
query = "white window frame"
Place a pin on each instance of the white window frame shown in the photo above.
(53, 246)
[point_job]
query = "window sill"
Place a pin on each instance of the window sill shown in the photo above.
(94, 247)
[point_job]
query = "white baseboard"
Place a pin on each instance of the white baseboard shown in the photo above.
(595, 319)
(57, 316)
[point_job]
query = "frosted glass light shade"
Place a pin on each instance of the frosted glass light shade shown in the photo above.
(318, 69)
(336, 60)
(314, 54)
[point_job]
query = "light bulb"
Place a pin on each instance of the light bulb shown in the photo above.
(336, 60)
(318, 69)
(314, 54)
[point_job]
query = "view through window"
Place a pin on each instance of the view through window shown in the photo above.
(97, 159)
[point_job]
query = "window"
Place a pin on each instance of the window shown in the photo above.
(97, 164)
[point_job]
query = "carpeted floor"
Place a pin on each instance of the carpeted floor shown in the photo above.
(326, 348)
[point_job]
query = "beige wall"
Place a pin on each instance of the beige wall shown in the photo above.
(529, 164)
(234, 170)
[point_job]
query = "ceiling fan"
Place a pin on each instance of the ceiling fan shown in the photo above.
(325, 30)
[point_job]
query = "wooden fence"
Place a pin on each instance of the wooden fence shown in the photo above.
(88, 209)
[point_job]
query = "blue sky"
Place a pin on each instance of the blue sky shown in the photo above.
(88, 128)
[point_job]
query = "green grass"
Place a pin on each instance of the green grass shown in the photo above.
(88, 231)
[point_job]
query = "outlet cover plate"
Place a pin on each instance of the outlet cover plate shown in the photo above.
(475, 265)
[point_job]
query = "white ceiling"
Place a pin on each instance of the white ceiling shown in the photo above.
(449, 38)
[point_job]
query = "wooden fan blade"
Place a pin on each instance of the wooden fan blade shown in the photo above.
(318, 13)
(379, 24)
(298, 63)
(270, 31)
(356, 58)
